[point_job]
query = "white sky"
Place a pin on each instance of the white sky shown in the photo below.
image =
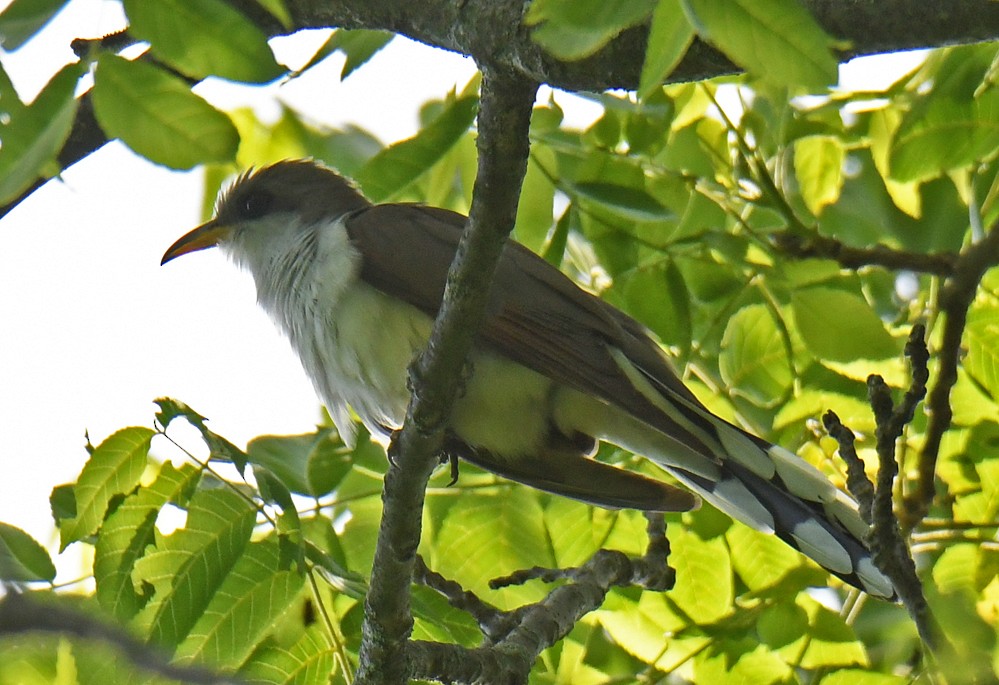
(92, 329)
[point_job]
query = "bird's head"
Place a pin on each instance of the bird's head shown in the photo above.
(264, 208)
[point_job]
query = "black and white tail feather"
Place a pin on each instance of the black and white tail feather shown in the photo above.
(763, 485)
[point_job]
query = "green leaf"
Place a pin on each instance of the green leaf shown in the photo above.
(204, 38)
(189, 566)
(854, 676)
(840, 326)
(113, 469)
(574, 29)
(488, 535)
(669, 37)
(625, 201)
(657, 296)
(127, 533)
(395, 167)
(310, 464)
(818, 166)
(357, 45)
(982, 336)
(704, 587)
(811, 635)
(22, 560)
(33, 135)
(244, 609)
(310, 659)
(761, 560)
(221, 449)
(754, 360)
(777, 40)
(22, 19)
(535, 209)
(158, 116)
(944, 134)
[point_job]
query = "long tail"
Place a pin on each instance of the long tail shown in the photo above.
(765, 486)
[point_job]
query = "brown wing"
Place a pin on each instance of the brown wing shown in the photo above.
(536, 315)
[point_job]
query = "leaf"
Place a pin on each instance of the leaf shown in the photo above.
(574, 29)
(189, 566)
(158, 116)
(982, 335)
(22, 19)
(113, 469)
(22, 560)
(534, 211)
(657, 296)
(840, 326)
(310, 659)
(754, 360)
(204, 38)
(944, 134)
(704, 587)
(127, 533)
(221, 449)
(310, 464)
(777, 40)
(625, 201)
(398, 165)
(669, 37)
(761, 560)
(34, 135)
(357, 45)
(242, 612)
(487, 535)
(818, 166)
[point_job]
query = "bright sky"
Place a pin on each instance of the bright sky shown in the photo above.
(92, 329)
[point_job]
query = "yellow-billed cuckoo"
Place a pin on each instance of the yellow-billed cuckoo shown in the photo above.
(355, 287)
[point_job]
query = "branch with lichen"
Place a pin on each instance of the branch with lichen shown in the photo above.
(503, 123)
(886, 539)
(514, 639)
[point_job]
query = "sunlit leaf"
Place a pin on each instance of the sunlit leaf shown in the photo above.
(189, 566)
(310, 659)
(157, 115)
(397, 166)
(840, 326)
(32, 136)
(127, 533)
(818, 165)
(669, 37)
(22, 19)
(754, 360)
(251, 599)
(112, 470)
(22, 559)
(358, 47)
(573, 29)
(204, 38)
(777, 40)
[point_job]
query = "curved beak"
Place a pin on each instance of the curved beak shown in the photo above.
(204, 236)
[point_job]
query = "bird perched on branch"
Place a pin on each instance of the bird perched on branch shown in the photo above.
(355, 288)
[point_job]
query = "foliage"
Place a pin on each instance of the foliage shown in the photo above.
(667, 206)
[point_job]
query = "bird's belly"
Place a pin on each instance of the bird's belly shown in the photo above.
(364, 350)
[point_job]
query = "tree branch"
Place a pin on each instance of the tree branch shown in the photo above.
(493, 31)
(503, 121)
(956, 297)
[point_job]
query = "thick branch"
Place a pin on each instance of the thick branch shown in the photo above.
(504, 120)
(493, 31)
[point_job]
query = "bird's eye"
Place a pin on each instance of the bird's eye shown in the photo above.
(256, 204)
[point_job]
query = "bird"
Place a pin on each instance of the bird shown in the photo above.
(554, 369)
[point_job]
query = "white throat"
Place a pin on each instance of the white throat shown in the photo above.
(355, 342)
